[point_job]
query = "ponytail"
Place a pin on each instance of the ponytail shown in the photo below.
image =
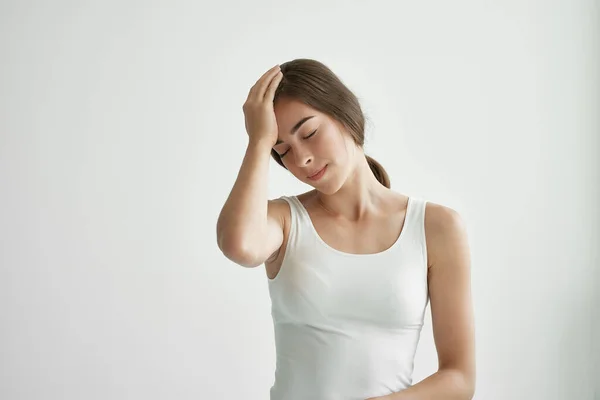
(379, 172)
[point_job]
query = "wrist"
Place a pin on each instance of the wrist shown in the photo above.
(262, 144)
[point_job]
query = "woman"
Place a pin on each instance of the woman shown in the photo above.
(351, 264)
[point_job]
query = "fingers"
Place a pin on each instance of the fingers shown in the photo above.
(257, 92)
(270, 94)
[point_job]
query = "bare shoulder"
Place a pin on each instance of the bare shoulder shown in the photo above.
(444, 231)
(278, 205)
(278, 209)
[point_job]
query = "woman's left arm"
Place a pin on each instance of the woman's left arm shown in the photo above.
(449, 280)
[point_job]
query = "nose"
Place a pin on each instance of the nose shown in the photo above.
(303, 158)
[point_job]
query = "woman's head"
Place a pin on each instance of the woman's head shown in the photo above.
(327, 122)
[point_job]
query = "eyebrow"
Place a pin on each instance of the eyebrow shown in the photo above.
(296, 127)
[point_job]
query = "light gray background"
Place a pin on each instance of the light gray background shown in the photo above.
(122, 133)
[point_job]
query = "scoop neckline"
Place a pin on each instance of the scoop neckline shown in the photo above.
(356, 255)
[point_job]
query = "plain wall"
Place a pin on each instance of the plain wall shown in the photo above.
(122, 134)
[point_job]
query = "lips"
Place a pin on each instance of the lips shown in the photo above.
(315, 173)
(319, 174)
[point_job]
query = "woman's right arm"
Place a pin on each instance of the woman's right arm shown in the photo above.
(250, 227)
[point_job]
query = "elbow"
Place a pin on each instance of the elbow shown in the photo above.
(236, 251)
(467, 384)
(469, 378)
(469, 390)
(461, 382)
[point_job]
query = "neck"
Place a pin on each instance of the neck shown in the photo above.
(362, 194)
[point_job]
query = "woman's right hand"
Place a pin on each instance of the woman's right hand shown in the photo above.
(259, 114)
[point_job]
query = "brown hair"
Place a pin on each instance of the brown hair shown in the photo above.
(315, 85)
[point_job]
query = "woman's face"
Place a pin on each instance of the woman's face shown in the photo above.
(316, 143)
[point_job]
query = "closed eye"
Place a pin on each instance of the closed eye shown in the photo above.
(309, 136)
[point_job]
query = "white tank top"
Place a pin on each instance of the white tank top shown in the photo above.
(347, 325)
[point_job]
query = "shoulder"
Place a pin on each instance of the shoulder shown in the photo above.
(279, 204)
(282, 207)
(278, 208)
(439, 217)
(445, 232)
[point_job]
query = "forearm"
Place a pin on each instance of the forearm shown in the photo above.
(243, 217)
(445, 384)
